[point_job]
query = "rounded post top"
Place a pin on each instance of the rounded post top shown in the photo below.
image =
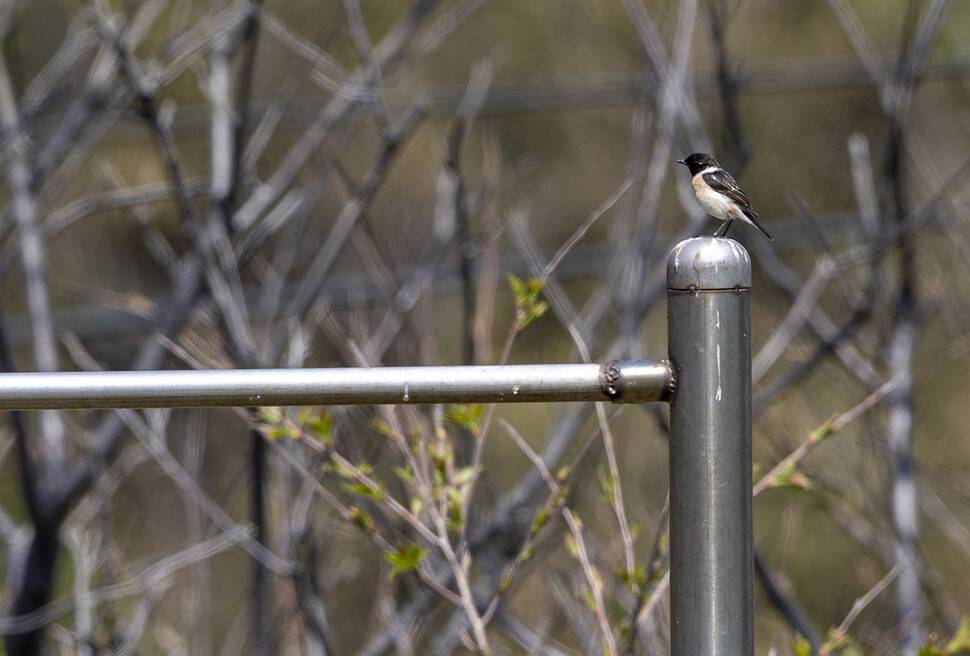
(708, 263)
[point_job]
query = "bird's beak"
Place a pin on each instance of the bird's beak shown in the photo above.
(680, 161)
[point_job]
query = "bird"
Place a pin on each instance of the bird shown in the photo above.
(718, 193)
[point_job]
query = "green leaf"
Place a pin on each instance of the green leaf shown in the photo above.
(455, 517)
(837, 641)
(533, 312)
(534, 286)
(362, 519)
(468, 417)
(303, 415)
(800, 646)
(635, 581)
(607, 486)
(506, 583)
(527, 306)
(374, 493)
(465, 475)
(404, 473)
(351, 472)
(823, 431)
(454, 495)
(342, 470)
(540, 519)
(518, 288)
(284, 432)
(570, 541)
(405, 559)
(960, 642)
(790, 476)
(382, 427)
(269, 414)
(562, 493)
(321, 425)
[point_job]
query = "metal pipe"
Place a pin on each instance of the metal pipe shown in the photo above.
(621, 382)
(711, 563)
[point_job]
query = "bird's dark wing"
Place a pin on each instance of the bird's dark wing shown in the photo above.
(722, 182)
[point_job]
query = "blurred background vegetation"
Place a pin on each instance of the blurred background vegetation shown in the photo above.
(242, 184)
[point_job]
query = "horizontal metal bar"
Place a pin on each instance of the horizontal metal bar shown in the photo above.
(621, 382)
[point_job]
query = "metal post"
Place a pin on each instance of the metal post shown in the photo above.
(708, 318)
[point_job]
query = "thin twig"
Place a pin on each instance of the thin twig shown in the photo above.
(860, 604)
(833, 425)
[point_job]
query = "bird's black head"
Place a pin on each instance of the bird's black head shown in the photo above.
(697, 162)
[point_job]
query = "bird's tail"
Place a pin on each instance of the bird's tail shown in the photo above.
(753, 218)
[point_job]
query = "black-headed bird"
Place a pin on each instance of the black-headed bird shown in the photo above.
(718, 193)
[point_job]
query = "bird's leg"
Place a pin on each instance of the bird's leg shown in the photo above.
(721, 231)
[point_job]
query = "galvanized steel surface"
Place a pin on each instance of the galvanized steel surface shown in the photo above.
(711, 559)
(707, 263)
(636, 382)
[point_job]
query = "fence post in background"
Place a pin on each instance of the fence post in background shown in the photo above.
(708, 319)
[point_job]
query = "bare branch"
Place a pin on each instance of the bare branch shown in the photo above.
(33, 262)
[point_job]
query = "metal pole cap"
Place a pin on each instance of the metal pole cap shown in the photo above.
(708, 263)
